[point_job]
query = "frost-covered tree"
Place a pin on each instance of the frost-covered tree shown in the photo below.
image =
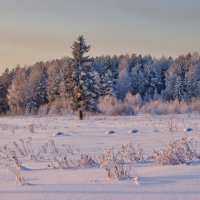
(176, 79)
(193, 82)
(138, 81)
(53, 83)
(108, 84)
(18, 92)
(124, 80)
(2, 98)
(37, 86)
(112, 64)
(180, 89)
(5, 82)
(41, 90)
(84, 93)
(78, 83)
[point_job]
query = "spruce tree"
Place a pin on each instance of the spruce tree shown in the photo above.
(2, 98)
(5, 83)
(108, 84)
(180, 89)
(82, 85)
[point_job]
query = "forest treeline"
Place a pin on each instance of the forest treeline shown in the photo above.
(123, 85)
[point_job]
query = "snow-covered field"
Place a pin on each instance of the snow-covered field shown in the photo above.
(155, 181)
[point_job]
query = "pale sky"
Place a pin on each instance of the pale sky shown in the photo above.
(41, 30)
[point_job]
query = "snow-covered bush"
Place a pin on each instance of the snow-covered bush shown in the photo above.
(195, 105)
(24, 147)
(63, 162)
(110, 105)
(19, 178)
(159, 108)
(117, 163)
(114, 165)
(60, 106)
(85, 161)
(153, 108)
(134, 100)
(9, 159)
(177, 152)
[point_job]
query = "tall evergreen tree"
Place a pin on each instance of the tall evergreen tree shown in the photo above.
(37, 84)
(108, 84)
(5, 82)
(53, 83)
(41, 91)
(82, 79)
(2, 98)
(180, 89)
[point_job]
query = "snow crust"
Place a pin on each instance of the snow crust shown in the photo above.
(151, 182)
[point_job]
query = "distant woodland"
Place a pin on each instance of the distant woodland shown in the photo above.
(117, 85)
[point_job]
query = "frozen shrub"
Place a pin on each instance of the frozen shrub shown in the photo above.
(114, 165)
(60, 106)
(171, 107)
(9, 160)
(110, 105)
(133, 100)
(171, 124)
(117, 163)
(177, 152)
(130, 153)
(31, 128)
(62, 162)
(151, 108)
(122, 109)
(117, 171)
(71, 150)
(24, 147)
(20, 180)
(10, 157)
(85, 161)
(52, 147)
(195, 105)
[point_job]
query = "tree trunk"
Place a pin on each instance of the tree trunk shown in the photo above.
(80, 114)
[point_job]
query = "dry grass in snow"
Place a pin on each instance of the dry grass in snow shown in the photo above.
(160, 161)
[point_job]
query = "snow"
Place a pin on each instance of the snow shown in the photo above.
(188, 129)
(132, 131)
(109, 132)
(58, 134)
(150, 180)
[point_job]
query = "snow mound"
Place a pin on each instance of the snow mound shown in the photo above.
(58, 134)
(187, 129)
(108, 132)
(132, 131)
(136, 180)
